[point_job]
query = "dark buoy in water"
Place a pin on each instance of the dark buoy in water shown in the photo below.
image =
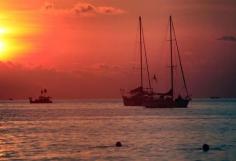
(118, 144)
(205, 147)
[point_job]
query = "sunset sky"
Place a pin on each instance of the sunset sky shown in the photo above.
(88, 48)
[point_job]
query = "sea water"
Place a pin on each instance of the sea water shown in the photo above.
(89, 130)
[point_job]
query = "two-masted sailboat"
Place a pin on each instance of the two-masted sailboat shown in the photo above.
(169, 99)
(140, 94)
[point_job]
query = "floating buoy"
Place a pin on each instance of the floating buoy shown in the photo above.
(205, 147)
(118, 144)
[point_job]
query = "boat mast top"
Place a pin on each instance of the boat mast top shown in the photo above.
(171, 60)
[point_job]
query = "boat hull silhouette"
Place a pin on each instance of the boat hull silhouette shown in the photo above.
(167, 103)
(133, 100)
(136, 100)
(137, 97)
(41, 99)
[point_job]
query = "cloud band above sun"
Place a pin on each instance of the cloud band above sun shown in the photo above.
(85, 9)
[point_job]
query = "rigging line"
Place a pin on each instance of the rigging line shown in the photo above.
(146, 59)
(180, 62)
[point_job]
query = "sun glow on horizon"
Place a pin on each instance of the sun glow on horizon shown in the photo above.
(1, 47)
(19, 34)
(4, 51)
(2, 43)
(10, 45)
(2, 31)
(7, 46)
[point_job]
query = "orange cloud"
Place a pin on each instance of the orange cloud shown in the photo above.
(90, 9)
(84, 9)
(110, 10)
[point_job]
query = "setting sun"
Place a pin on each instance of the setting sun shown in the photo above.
(3, 54)
(1, 47)
(2, 44)
(11, 45)
(2, 31)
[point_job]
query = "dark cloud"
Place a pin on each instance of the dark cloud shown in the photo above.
(228, 38)
(48, 6)
(84, 8)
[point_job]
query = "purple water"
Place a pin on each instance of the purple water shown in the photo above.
(89, 129)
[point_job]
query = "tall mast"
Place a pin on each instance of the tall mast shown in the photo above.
(180, 61)
(146, 59)
(141, 51)
(171, 60)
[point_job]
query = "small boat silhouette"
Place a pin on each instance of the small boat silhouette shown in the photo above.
(43, 98)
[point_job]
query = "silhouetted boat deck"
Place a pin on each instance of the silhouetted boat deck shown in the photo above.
(43, 98)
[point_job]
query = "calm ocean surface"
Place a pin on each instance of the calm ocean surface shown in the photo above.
(89, 129)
